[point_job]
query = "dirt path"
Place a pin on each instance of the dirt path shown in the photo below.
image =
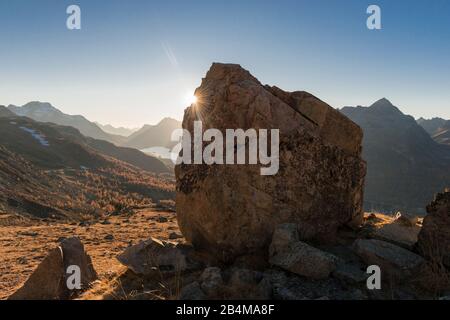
(22, 248)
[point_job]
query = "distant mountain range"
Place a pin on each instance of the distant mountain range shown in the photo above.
(147, 137)
(431, 125)
(437, 128)
(45, 112)
(406, 167)
(121, 131)
(151, 136)
(52, 146)
(442, 134)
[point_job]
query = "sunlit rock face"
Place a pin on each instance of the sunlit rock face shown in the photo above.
(232, 210)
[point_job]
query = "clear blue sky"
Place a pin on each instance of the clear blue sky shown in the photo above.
(135, 61)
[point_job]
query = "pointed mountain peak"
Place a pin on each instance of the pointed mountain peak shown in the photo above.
(384, 105)
(382, 102)
(168, 121)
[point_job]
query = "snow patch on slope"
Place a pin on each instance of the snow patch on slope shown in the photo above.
(37, 136)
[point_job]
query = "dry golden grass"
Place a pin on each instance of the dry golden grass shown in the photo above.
(23, 247)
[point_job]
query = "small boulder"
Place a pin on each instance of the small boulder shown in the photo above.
(74, 254)
(109, 237)
(211, 281)
(175, 235)
(162, 219)
(393, 260)
(156, 255)
(284, 235)
(48, 281)
(287, 252)
(399, 233)
(192, 291)
(349, 273)
(248, 284)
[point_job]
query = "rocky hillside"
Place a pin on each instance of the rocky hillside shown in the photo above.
(49, 171)
(405, 167)
(53, 146)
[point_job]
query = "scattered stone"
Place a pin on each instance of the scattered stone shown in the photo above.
(28, 233)
(393, 260)
(175, 235)
(305, 260)
(399, 233)
(298, 257)
(162, 219)
(157, 255)
(109, 237)
(320, 151)
(292, 287)
(284, 235)
(211, 281)
(105, 222)
(192, 291)
(248, 284)
(349, 273)
(434, 238)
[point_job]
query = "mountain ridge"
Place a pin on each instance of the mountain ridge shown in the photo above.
(46, 112)
(405, 166)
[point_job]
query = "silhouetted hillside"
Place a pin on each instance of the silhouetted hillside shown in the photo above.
(405, 167)
(154, 136)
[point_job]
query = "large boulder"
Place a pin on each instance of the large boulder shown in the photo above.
(233, 209)
(434, 238)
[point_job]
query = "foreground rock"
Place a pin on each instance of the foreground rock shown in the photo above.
(287, 252)
(241, 284)
(155, 255)
(319, 185)
(393, 260)
(434, 238)
(402, 233)
(49, 280)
